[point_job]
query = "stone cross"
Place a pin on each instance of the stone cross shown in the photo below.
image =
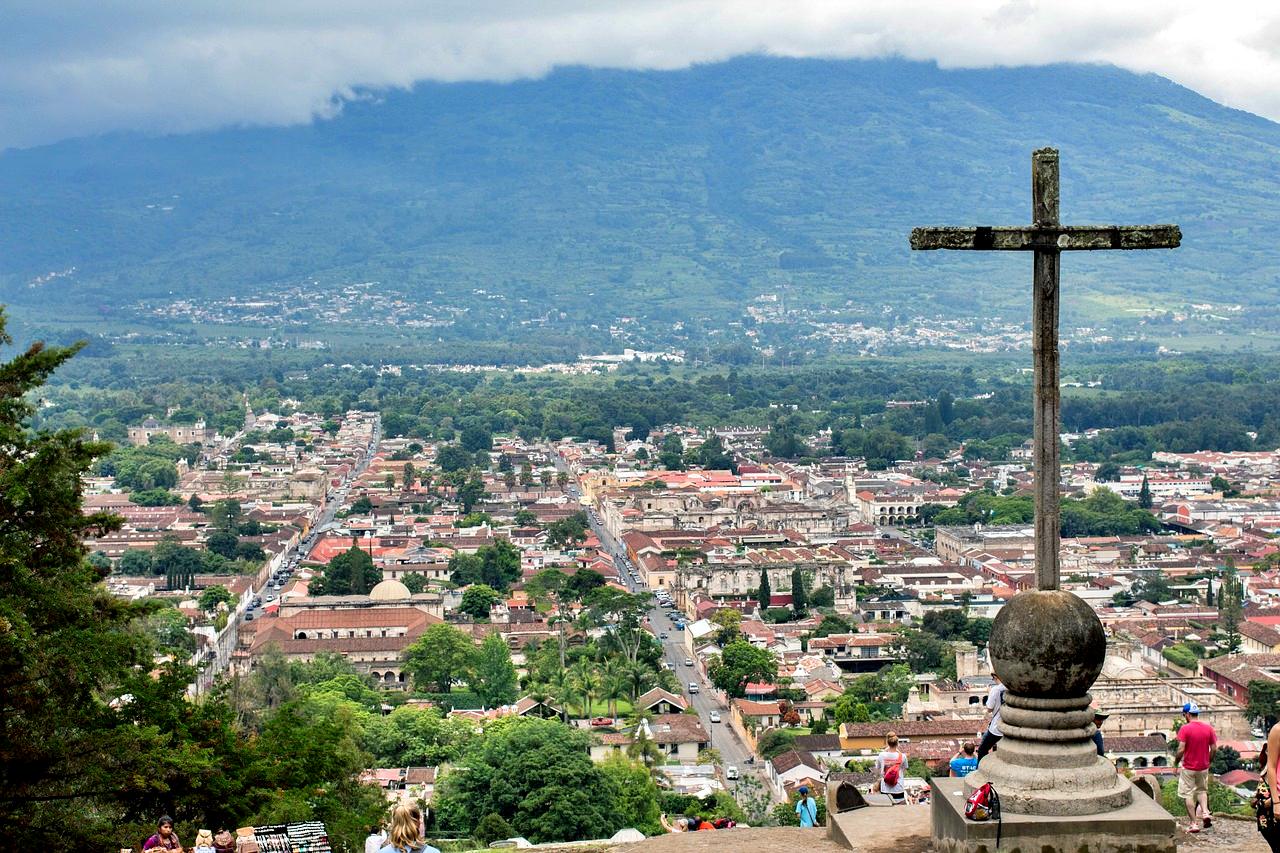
(1047, 238)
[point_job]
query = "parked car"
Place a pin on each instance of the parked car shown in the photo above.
(662, 636)
(688, 661)
(602, 721)
(731, 772)
(693, 687)
(715, 716)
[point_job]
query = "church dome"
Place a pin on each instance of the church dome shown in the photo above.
(389, 590)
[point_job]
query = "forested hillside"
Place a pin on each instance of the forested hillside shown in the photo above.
(660, 196)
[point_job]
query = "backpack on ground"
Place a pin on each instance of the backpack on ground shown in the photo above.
(893, 772)
(984, 804)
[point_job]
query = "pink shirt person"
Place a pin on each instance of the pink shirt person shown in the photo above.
(1198, 741)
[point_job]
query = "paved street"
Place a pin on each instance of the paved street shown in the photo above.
(732, 750)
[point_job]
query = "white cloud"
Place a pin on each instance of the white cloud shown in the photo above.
(69, 68)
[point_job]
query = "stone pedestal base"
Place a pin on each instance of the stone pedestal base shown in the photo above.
(1142, 826)
(1047, 763)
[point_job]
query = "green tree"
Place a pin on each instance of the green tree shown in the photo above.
(411, 736)
(728, 622)
(637, 795)
(1152, 587)
(1264, 703)
(494, 675)
(478, 599)
(774, 742)
(361, 505)
(832, 624)
(1230, 604)
(73, 767)
(178, 563)
(764, 595)
(1108, 472)
(350, 573)
(525, 518)
(1144, 494)
(414, 582)
(492, 828)
(671, 454)
(945, 624)
(476, 437)
(135, 562)
(212, 596)
(222, 542)
(440, 657)
(799, 602)
(453, 457)
(711, 454)
(740, 663)
(536, 775)
(1225, 759)
(471, 493)
(226, 514)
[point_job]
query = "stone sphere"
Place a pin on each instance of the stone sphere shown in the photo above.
(1046, 644)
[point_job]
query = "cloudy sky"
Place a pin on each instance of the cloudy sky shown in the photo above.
(71, 67)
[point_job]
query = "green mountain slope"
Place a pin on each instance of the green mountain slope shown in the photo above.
(663, 196)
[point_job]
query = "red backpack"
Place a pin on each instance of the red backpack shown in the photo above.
(984, 804)
(893, 772)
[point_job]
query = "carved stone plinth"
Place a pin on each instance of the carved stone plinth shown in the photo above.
(1047, 764)
(1048, 647)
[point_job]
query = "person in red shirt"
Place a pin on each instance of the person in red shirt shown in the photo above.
(1196, 742)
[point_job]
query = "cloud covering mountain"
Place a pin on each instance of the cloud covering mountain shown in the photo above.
(73, 67)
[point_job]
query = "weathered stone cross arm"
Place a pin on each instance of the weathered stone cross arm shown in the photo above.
(1063, 238)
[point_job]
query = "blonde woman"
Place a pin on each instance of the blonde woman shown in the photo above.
(891, 766)
(405, 835)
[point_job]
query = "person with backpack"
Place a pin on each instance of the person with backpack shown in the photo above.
(807, 809)
(405, 835)
(891, 765)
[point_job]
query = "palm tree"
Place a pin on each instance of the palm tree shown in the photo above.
(615, 684)
(538, 691)
(586, 678)
(640, 678)
(562, 692)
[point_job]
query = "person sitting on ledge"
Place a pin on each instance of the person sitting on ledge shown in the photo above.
(679, 825)
(965, 761)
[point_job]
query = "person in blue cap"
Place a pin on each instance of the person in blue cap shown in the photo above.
(806, 808)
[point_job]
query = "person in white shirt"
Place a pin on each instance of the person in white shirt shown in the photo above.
(995, 701)
(891, 766)
(376, 839)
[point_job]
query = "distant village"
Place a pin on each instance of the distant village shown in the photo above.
(703, 542)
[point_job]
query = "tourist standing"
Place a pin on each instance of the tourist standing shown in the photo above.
(807, 809)
(965, 761)
(376, 839)
(405, 835)
(1196, 742)
(165, 838)
(995, 701)
(891, 765)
